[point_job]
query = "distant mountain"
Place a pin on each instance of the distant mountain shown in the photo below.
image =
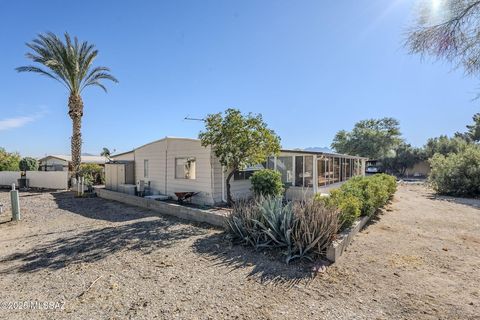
(89, 154)
(319, 149)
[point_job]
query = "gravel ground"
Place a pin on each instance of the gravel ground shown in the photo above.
(97, 259)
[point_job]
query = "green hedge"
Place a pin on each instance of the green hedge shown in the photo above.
(457, 174)
(267, 183)
(361, 196)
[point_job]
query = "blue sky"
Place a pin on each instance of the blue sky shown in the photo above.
(310, 67)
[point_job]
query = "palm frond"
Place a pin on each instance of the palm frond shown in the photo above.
(69, 62)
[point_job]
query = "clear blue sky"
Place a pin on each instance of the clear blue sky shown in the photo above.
(310, 67)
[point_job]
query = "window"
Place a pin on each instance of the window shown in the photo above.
(145, 168)
(185, 168)
(242, 175)
(248, 171)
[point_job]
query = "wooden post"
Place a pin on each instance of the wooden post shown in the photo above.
(15, 203)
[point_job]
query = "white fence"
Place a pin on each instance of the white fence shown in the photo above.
(48, 179)
(9, 177)
(37, 179)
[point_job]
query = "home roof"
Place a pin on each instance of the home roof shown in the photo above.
(121, 154)
(331, 154)
(85, 159)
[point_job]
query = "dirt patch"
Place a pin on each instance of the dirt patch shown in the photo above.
(420, 259)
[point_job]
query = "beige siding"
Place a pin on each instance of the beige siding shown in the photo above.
(184, 148)
(161, 157)
(218, 182)
(155, 153)
(240, 188)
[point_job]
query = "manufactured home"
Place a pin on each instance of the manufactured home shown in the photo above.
(172, 165)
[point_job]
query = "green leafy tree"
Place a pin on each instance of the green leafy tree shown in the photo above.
(71, 64)
(239, 141)
(405, 157)
(473, 130)
(444, 145)
(9, 161)
(28, 164)
(371, 138)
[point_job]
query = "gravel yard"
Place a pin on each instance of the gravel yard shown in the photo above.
(420, 259)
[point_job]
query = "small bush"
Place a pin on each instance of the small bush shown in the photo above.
(28, 164)
(360, 196)
(302, 229)
(457, 174)
(267, 183)
(92, 173)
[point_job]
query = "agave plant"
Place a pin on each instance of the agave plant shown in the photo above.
(316, 226)
(277, 220)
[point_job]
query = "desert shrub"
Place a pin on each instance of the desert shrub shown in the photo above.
(242, 223)
(92, 173)
(315, 228)
(349, 206)
(457, 174)
(360, 196)
(267, 183)
(302, 228)
(28, 164)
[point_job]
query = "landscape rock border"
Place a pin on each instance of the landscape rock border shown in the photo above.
(173, 209)
(338, 246)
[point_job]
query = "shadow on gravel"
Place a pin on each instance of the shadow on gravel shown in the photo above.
(97, 244)
(98, 208)
(474, 203)
(267, 267)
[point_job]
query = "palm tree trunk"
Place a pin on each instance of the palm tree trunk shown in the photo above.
(75, 111)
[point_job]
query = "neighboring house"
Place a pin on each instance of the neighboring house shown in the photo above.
(63, 162)
(172, 165)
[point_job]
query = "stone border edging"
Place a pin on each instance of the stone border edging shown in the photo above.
(179, 211)
(338, 246)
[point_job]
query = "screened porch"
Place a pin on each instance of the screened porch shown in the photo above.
(313, 172)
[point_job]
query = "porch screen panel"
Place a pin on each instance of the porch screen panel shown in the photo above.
(299, 171)
(329, 170)
(308, 173)
(348, 167)
(336, 169)
(285, 167)
(322, 165)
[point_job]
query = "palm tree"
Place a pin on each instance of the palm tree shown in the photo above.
(106, 153)
(70, 63)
